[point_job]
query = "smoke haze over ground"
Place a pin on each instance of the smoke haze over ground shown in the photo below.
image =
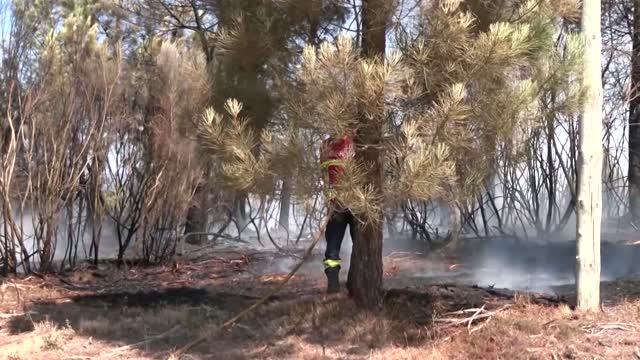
(500, 262)
(538, 267)
(525, 265)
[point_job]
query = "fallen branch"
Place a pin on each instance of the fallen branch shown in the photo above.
(182, 239)
(614, 327)
(454, 322)
(403, 254)
(248, 310)
(478, 314)
(621, 324)
(480, 327)
(474, 317)
(465, 311)
(610, 326)
(213, 259)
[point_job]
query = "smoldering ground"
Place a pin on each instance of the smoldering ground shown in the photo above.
(502, 262)
(540, 267)
(519, 265)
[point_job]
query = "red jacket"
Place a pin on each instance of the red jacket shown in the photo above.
(332, 154)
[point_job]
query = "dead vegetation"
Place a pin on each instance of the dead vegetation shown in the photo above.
(149, 312)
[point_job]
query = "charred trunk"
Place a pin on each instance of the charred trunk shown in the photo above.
(285, 205)
(197, 218)
(240, 210)
(455, 225)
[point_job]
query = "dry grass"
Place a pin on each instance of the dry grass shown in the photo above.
(46, 337)
(302, 323)
(332, 328)
(539, 332)
(54, 338)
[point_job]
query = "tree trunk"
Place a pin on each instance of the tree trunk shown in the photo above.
(10, 265)
(455, 225)
(197, 217)
(391, 225)
(240, 210)
(589, 211)
(634, 119)
(95, 204)
(285, 205)
(47, 252)
(365, 273)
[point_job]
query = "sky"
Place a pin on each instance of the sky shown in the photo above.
(5, 20)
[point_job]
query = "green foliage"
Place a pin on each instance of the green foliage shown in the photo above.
(466, 84)
(233, 143)
(500, 62)
(464, 88)
(246, 160)
(255, 43)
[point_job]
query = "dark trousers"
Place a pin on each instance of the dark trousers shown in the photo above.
(336, 228)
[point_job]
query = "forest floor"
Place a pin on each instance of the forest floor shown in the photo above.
(141, 312)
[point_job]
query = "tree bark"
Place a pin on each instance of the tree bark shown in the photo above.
(455, 225)
(197, 217)
(634, 119)
(285, 205)
(365, 273)
(589, 210)
(240, 210)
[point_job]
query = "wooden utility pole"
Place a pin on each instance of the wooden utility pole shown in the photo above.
(589, 209)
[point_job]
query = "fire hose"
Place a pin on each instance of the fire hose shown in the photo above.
(262, 300)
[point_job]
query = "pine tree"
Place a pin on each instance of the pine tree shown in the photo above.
(365, 272)
(249, 46)
(459, 94)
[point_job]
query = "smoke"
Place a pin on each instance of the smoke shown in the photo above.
(536, 266)
(108, 240)
(539, 267)
(313, 266)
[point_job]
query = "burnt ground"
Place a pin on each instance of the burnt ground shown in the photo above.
(148, 312)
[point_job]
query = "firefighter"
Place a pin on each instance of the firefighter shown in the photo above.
(333, 153)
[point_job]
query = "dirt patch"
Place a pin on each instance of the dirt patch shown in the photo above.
(170, 297)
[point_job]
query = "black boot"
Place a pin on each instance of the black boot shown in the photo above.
(333, 280)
